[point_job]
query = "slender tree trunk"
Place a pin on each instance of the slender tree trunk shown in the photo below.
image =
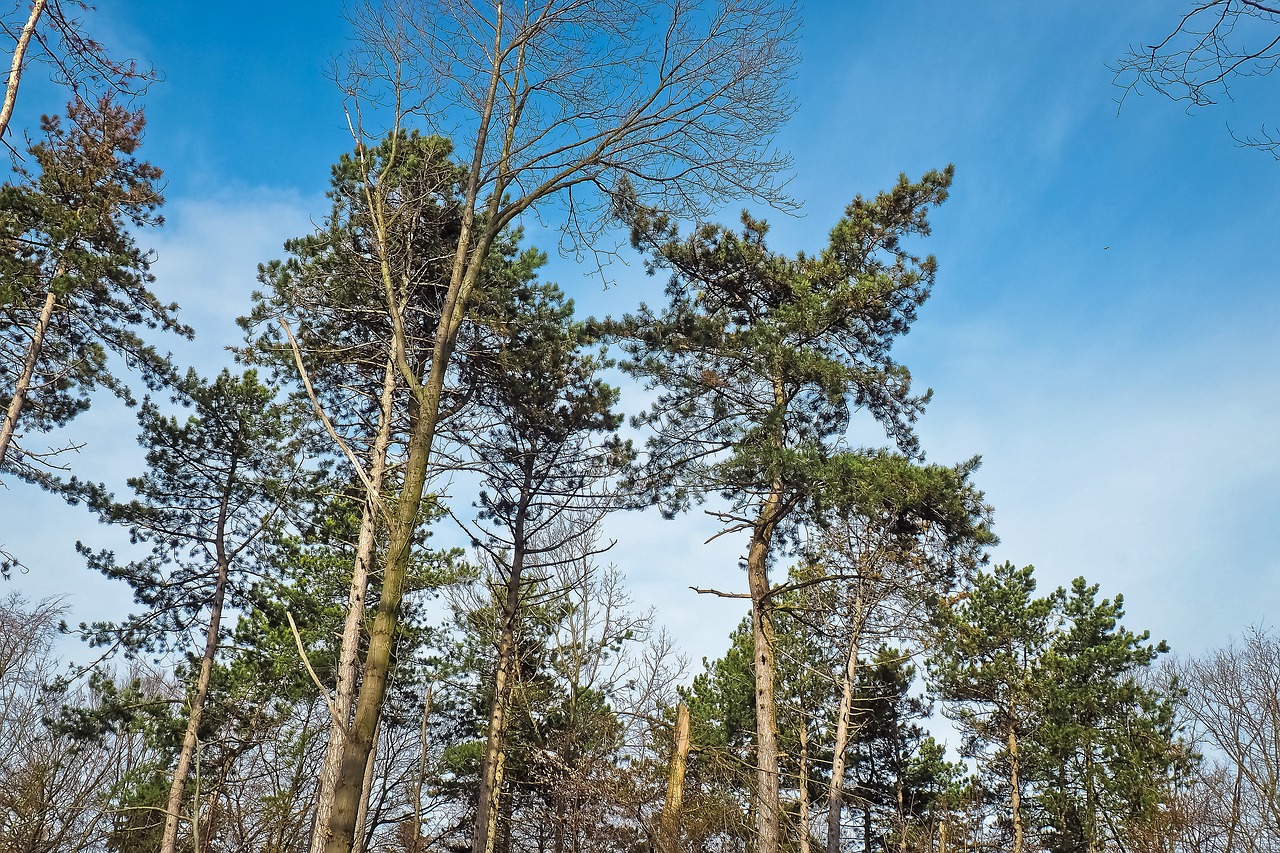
(669, 823)
(804, 787)
(362, 816)
(15, 72)
(1015, 795)
(768, 826)
(189, 739)
(348, 673)
(835, 785)
(492, 837)
(495, 742)
(23, 385)
(421, 778)
(424, 418)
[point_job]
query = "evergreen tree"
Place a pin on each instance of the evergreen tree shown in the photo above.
(1105, 747)
(74, 285)
(760, 361)
(988, 669)
(217, 487)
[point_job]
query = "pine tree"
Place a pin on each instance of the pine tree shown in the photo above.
(989, 671)
(74, 285)
(760, 361)
(216, 489)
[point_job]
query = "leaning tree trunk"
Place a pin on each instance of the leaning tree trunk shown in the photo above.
(15, 71)
(767, 807)
(23, 385)
(348, 673)
(424, 419)
(189, 739)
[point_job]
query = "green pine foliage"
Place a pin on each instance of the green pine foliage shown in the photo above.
(67, 235)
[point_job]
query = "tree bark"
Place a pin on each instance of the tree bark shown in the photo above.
(425, 403)
(495, 742)
(835, 785)
(362, 816)
(803, 829)
(23, 385)
(189, 739)
(768, 826)
(15, 72)
(348, 673)
(1015, 795)
(669, 823)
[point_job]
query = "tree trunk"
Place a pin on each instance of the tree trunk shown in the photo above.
(1015, 795)
(362, 816)
(424, 416)
(495, 742)
(492, 838)
(835, 785)
(23, 385)
(804, 787)
(421, 778)
(768, 827)
(669, 823)
(348, 672)
(15, 73)
(189, 739)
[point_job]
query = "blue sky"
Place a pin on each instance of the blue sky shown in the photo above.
(1103, 331)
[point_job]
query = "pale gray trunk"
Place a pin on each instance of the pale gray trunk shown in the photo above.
(669, 824)
(804, 787)
(15, 71)
(189, 739)
(1015, 794)
(348, 672)
(835, 785)
(23, 385)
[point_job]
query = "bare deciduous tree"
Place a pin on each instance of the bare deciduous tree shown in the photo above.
(1233, 704)
(1214, 43)
(674, 102)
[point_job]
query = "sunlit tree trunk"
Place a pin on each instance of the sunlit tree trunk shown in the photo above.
(768, 819)
(669, 824)
(15, 72)
(348, 673)
(190, 737)
(23, 386)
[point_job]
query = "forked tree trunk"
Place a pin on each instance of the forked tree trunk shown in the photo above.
(23, 385)
(362, 816)
(424, 418)
(348, 672)
(421, 779)
(669, 823)
(15, 70)
(168, 841)
(835, 785)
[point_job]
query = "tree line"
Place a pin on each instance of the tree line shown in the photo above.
(306, 669)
